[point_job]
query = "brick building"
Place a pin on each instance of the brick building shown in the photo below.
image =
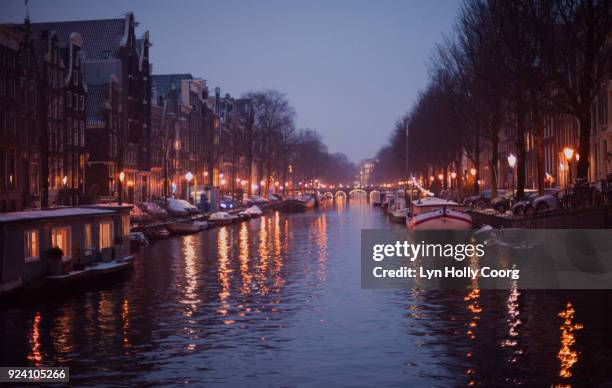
(116, 63)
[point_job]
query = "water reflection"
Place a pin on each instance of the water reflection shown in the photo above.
(567, 355)
(277, 301)
(35, 356)
(224, 273)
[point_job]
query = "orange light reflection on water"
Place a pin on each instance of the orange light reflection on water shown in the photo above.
(567, 355)
(35, 356)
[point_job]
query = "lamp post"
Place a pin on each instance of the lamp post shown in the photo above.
(188, 178)
(453, 180)
(511, 164)
(568, 152)
(121, 180)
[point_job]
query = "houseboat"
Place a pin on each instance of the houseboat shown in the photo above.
(435, 213)
(297, 204)
(59, 245)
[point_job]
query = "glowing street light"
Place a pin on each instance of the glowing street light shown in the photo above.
(440, 176)
(511, 160)
(453, 175)
(121, 179)
(568, 152)
(188, 178)
(473, 171)
(65, 180)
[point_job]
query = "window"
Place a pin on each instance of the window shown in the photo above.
(82, 102)
(12, 169)
(31, 245)
(106, 235)
(34, 178)
(68, 99)
(87, 236)
(82, 130)
(125, 225)
(60, 238)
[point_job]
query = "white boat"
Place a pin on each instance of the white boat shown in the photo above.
(434, 213)
(253, 211)
(222, 218)
(399, 211)
(399, 215)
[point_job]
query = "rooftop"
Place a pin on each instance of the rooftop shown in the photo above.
(101, 38)
(33, 215)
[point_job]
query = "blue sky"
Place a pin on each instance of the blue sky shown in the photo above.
(349, 67)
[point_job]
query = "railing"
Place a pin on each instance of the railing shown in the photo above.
(583, 195)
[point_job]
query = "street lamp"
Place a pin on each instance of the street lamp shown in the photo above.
(188, 178)
(121, 179)
(453, 179)
(511, 163)
(569, 153)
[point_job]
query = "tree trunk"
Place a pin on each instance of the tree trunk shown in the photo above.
(494, 163)
(539, 147)
(520, 150)
(585, 145)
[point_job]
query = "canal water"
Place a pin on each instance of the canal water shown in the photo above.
(277, 302)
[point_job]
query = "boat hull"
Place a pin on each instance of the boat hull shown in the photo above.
(183, 228)
(440, 220)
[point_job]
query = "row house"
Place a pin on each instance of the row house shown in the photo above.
(19, 149)
(118, 114)
(601, 133)
(187, 126)
(43, 153)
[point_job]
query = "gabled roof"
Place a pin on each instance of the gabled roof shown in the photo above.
(101, 38)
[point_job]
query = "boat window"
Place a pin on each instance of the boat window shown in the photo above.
(60, 238)
(31, 245)
(106, 234)
(87, 236)
(125, 225)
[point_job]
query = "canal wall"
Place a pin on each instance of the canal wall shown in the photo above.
(598, 218)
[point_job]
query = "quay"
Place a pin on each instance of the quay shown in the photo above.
(587, 218)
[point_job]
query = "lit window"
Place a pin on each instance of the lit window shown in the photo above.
(60, 238)
(31, 245)
(87, 237)
(125, 224)
(106, 235)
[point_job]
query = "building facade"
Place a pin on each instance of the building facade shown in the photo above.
(116, 63)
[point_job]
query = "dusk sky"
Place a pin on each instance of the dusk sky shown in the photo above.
(349, 68)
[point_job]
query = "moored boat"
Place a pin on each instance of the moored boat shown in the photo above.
(183, 227)
(297, 204)
(253, 211)
(434, 213)
(222, 218)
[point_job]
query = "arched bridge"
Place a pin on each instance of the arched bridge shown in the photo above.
(353, 192)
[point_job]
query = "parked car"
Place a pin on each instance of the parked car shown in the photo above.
(483, 199)
(505, 201)
(525, 206)
(548, 201)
